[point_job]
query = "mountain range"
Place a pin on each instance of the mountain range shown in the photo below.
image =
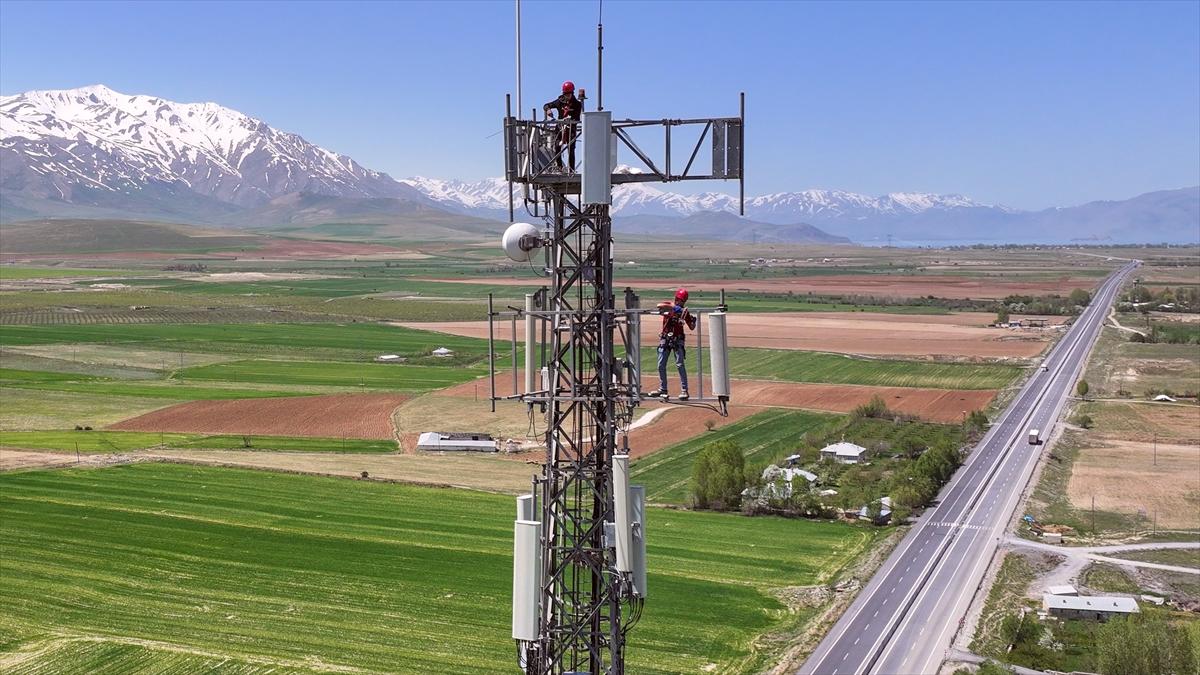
(96, 153)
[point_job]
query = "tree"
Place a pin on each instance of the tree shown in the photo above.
(1142, 645)
(1002, 315)
(1079, 298)
(719, 476)
(1082, 389)
(875, 408)
(1020, 629)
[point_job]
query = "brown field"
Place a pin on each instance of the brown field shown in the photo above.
(1122, 477)
(934, 405)
(364, 416)
(962, 335)
(14, 460)
(877, 285)
(1142, 420)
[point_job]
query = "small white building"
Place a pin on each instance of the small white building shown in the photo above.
(390, 358)
(442, 352)
(844, 453)
(1065, 589)
(1093, 607)
(456, 441)
(885, 511)
(779, 483)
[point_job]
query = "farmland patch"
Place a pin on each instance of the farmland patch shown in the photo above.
(319, 561)
(365, 416)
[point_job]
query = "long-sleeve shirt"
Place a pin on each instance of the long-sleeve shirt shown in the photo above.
(672, 324)
(566, 105)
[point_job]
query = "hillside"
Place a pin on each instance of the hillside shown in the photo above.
(725, 226)
(92, 236)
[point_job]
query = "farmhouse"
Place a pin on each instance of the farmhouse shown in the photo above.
(440, 440)
(885, 511)
(778, 482)
(844, 453)
(442, 352)
(1095, 607)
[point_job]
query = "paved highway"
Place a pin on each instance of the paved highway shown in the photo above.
(905, 618)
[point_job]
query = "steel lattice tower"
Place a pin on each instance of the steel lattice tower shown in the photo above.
(579, 574)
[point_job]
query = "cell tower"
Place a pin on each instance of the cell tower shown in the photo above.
(579, 575)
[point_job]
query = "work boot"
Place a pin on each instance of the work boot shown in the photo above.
(683, 395)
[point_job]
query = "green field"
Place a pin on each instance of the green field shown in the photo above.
(787, 365)
(770, 436)
(798, 366)
(763, 438)
(398, 377)
(355, 338)
(170, 568)
(106, 441)
(15, 273)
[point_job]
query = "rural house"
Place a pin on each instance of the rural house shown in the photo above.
(442, 352)
(1095, 607)
(844, 453)
(440, 440)
(777, 482)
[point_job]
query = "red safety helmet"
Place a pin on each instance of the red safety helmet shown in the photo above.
(568, 86)
(681, 295)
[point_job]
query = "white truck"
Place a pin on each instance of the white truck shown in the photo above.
(1034, 437)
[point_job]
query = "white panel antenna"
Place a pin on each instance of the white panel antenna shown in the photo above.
(718, 350)
(527, 587)
(637, 502)
(624, 543)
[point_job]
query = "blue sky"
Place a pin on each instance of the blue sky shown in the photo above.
(1023, 103)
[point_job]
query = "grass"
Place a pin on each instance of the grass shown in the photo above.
(1050, 503)
(1108, 579)
(770, 436)
(1164, 556)
(333, 573)
(1007, 596)
(370, 339)
(103, 441)
(29, 408)
(398, 377)
(763, 437)
(799, 366)
(14, 273)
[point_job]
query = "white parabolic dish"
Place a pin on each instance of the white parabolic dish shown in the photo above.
(519, 240)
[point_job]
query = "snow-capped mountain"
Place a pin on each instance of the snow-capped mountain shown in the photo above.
(96, 146)
(489, 197)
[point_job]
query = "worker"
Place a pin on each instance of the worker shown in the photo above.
(671, 340)
(568, 108)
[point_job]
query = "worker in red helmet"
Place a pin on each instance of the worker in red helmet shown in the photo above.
(569, 109)
(672, 341)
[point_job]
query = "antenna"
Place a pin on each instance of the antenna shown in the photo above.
(599, 58)
(520, 106)
(579, 577)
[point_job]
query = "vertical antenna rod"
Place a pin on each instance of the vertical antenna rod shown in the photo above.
(600, 59)
(519, 106)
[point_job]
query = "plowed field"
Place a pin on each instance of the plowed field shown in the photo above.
(932, 405)
(366, 416)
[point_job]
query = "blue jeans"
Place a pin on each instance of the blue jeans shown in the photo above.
(664, 350)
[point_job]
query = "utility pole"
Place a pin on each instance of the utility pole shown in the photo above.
(1155, 448)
